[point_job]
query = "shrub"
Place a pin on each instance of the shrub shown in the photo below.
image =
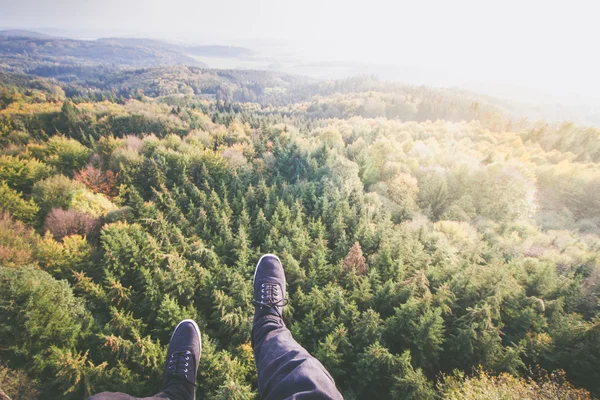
(63, 223)
(20, 174)
(355, 261)
(61, 259)
(97, 181)
(67, 154)
(16, 385)
(94, 204)
(54, 192)
(12, 202)
(235, 158)
(38, 311)
(118, 215)
(506, 386)
(106, 145)
(126, 157)
(16, 242)
(18, 137)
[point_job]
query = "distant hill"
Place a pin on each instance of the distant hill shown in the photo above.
(105, 82)
(237, 85)
(23, 33)
(205, 51)
(20, 53)
(142, 42)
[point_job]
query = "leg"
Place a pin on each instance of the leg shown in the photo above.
(285, 369)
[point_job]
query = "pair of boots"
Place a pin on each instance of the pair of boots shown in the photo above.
(185, 346)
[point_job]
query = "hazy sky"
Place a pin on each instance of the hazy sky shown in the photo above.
(547, 44)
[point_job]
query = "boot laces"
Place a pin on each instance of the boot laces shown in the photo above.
(270, 296)
(180, 364)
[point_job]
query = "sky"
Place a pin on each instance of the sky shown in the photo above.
(546, 45)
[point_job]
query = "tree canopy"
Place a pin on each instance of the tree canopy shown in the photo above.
(433, 247)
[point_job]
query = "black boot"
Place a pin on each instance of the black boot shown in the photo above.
(269, 288)
(183, 356)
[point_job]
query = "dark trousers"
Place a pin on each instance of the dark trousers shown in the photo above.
(285, 369)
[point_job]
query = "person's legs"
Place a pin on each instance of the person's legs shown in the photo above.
(285, 369)
(181, 367)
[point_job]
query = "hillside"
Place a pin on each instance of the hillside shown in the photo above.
(39, 54)
(23, 33)
(22, 53)
(436, 244)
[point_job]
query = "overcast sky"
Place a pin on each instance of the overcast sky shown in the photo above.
(547, 44)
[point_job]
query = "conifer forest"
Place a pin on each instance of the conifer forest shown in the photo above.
(436, 243)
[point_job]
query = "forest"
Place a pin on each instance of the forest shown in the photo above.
(437, 244)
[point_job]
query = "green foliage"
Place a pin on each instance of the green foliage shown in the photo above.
(21, 173)
(17, 385)
(41, 311)
(61, 259)
(433, 194)
(506, 386)
(222, 376)
(412, 248)
(382, 372)
(54, 192)
(170, 313)
(67, 154)
(39, 314)
(419, 327)
(17, 242)
(94, 204)
(12, 202)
